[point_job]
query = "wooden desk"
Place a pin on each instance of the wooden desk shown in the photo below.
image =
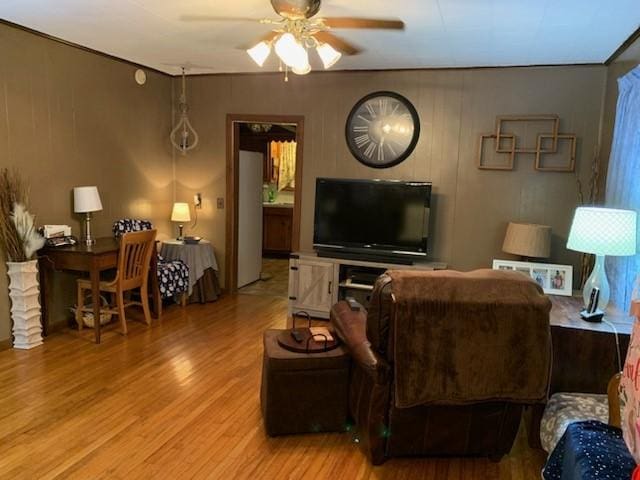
(85, 258)
(584, 354)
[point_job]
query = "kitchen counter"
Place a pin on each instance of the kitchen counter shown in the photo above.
(276, 204)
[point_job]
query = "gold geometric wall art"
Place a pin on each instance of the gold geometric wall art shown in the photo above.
(542, 145)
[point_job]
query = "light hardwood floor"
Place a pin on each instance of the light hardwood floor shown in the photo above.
(181, 400)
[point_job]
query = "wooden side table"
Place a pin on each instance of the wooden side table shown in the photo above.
(203, 267)
(584, 354)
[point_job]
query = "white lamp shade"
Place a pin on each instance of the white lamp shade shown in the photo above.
(260, 52)
(180, 212)
(86, 199)
(302, 70)
(328, 55)
(291, 52)
(603, 231)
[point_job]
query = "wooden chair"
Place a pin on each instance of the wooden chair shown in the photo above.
(613, 394)
(134, 261)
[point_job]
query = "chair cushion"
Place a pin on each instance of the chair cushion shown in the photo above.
(590, 450)
(173, 277)
(566, 408)
(126, 225)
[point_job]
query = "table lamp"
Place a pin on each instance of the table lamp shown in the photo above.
(528, 240)
(180, 214)
(87, 200)
(601, 231)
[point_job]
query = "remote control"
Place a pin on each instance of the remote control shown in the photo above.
(296, 336)
(353, 304)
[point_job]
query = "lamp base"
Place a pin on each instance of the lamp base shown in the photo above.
(88, 239)
(593, 317)
(597, 279)
(180, 237)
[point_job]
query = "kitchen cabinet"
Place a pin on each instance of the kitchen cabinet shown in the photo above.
(277, 223)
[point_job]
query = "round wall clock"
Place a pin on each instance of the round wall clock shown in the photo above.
(382, 129)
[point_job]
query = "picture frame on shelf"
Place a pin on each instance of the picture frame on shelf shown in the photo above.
(554, 279)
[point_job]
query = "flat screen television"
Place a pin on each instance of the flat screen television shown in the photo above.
(376, 219)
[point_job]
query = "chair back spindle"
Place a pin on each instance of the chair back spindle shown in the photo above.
(135, 258)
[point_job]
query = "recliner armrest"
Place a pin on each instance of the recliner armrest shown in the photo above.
(351, 327)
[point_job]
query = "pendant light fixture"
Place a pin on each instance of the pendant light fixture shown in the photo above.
(184, 137)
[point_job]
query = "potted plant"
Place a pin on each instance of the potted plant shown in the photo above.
(19, 241)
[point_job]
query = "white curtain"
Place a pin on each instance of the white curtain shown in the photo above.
(623, 180)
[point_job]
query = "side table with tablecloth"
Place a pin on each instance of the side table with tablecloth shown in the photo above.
(203, 268)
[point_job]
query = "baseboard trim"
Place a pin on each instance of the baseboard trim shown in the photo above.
(6, 344)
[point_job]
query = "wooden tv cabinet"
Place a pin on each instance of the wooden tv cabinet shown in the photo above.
(317, 283)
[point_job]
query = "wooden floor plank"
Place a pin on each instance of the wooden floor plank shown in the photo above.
(181, 400)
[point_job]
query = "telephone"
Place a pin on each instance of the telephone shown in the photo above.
(61, 241)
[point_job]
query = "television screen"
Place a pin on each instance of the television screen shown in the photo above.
(390, 217)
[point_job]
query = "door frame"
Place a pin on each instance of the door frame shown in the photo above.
(231, 227)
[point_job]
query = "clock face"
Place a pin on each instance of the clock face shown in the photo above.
(382, 129)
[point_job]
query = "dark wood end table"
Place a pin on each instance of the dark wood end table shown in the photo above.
(585, 354)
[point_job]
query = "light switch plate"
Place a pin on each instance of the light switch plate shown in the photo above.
(220, 203)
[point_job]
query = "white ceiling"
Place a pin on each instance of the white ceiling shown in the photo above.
(439, 33)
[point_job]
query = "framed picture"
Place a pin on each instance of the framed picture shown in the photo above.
(554, 279)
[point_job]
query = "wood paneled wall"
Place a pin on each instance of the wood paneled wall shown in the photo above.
(70, 118)
(471, 207)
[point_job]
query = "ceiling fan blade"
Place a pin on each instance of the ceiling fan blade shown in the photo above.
(213, 18)
(352, 22)
(268, 37)
(339, 44)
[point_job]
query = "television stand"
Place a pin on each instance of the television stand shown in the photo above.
(366, 257)
(317, 282)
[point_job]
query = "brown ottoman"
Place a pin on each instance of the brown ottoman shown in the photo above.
(301, 392)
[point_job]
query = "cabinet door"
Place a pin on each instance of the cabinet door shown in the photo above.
(315, 287)
(277, 230)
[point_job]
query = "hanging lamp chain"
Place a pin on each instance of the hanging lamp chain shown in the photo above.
(184, 137)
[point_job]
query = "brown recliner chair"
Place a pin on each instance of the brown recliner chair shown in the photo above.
(445, 361)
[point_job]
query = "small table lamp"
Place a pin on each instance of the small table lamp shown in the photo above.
(601, 231)
(180, 214)
(87, 200)
(527, 240)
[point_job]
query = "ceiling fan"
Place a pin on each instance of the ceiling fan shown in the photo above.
(298, 30)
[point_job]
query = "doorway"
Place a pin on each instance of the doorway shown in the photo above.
(264, 175)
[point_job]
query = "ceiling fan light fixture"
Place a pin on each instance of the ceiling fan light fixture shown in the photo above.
(291, 52)
(328, 55)
(260, 52)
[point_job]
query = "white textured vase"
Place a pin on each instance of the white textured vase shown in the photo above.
(25, 304)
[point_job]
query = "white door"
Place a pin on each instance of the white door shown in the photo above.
(249, 217)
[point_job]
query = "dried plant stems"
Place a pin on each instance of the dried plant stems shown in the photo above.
(587, 260)
(12, 192)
